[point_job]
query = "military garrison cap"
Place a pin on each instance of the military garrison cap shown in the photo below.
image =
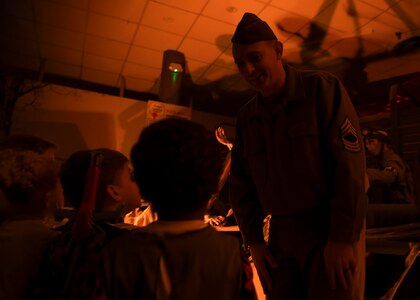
(252, 29)
(381, 135)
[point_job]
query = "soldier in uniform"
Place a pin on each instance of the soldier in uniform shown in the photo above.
(298, 156)
(390, 178)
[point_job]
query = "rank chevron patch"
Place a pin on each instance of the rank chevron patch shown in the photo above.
(349, 136)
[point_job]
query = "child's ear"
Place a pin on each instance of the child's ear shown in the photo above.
(113, 192)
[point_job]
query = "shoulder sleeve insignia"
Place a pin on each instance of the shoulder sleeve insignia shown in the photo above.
(349, 136)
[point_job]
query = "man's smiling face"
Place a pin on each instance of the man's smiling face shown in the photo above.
(260, 65)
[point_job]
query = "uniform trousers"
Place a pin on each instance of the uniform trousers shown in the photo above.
(297, 243)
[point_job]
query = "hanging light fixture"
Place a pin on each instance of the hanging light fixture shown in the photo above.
(173, 71)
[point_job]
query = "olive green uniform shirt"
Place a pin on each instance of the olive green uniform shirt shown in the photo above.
(303, 153)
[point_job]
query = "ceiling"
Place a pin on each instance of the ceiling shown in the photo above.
(108, 42)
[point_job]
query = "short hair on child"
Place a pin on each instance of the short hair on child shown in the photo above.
(177, 166)
(74, 170)
(25, 174)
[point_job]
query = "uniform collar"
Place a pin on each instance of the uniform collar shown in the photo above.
(293, 85)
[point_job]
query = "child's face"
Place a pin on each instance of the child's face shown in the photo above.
(128, 188)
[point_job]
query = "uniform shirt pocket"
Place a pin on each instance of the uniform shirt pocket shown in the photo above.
(301, 130)
(304, 148)
(255, 156)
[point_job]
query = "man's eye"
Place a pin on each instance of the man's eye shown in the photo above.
(255, 58)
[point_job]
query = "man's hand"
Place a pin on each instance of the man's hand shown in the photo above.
(262, 258)
(340, 264)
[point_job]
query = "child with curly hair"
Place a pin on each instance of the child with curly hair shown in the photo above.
(26, 179)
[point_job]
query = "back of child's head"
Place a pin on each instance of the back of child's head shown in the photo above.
(177, 166)
(25, 180)
(27, 142)
(74, 171)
